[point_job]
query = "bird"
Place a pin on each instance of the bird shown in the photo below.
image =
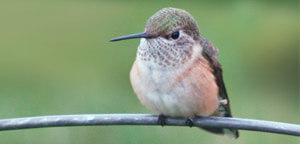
(176, 72)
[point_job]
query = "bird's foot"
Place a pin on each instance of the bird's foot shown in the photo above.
(161, 120)
(189, 122)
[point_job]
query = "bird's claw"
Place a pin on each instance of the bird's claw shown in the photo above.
(189, 122)
(161, 120)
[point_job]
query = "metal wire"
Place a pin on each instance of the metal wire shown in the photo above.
(146, 119)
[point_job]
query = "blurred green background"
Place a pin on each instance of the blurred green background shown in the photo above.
(55, 58)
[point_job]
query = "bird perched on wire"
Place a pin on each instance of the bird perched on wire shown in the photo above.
(176, 72)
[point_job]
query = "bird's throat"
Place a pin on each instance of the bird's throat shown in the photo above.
(162, 54)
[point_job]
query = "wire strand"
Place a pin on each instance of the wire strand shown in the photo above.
(146, 119)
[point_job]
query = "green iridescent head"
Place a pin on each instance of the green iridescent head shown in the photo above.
(165, 22)
(169, 20)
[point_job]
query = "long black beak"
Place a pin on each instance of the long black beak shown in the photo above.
(132, 36)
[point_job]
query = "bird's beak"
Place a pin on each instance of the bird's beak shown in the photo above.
(132, 36)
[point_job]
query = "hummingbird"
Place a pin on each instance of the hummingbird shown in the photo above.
(176, 72)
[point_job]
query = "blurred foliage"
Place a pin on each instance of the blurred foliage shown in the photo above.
(55, 58)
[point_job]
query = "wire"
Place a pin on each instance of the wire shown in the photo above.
(147, 119)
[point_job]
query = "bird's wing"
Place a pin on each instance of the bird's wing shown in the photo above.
(210, 52)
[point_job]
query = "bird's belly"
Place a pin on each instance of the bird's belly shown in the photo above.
(169, 103)
(156, 93)
(185, 93)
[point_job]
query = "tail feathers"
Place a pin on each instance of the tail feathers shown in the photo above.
(232, 133)
(223, 112)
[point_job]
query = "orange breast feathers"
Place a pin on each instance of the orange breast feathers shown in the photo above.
(200, 85)
(190, 92)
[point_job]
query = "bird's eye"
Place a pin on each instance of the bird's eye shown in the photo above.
(175, 35)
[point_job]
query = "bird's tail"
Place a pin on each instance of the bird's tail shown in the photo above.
(233, 133)
(223, 112)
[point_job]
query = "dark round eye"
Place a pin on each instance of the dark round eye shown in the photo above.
(175, 35)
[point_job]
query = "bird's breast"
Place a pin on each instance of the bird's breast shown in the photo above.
(175, 92)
